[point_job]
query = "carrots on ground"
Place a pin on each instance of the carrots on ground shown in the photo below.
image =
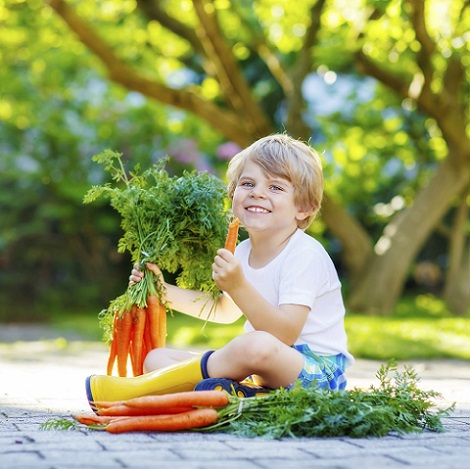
(125, 410)
(232, 235)
(169, 412)
(181, 399)
(195, 418)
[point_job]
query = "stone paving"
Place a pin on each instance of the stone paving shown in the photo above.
(41, 379)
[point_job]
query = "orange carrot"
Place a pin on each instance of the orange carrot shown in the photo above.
(232, 235)
(112, 349)
(195, 418)
(86, 419)
(138, 341)
(147, 334)
(181, 399)
(155, 316)
(123, 409)
(123, 334)
(162, 326)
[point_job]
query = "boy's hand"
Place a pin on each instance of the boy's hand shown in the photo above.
(137, 274)
(226, 270)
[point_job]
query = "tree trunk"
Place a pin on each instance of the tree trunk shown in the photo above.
(457, 284)
(379, 287)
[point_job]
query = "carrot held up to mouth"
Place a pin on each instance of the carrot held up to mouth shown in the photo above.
(232, 235)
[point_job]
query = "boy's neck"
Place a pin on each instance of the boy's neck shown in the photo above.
(265, 248)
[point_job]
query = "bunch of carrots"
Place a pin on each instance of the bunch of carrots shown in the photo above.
(140, 329)
(136, 332)
(169, 412)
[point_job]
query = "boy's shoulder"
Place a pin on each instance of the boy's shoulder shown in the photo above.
(300, 240)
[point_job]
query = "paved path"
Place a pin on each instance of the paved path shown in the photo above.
(44, 379)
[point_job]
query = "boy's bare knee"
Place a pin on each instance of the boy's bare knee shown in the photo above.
(260, 349)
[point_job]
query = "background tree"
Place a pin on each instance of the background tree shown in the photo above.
(413, 48)
(379, 87)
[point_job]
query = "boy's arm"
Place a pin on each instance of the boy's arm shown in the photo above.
(190, 302)
(284, 322)
(199, 305)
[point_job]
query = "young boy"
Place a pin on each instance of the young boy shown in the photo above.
(281, 279)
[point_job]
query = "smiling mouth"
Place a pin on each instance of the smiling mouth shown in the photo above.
(257, 210)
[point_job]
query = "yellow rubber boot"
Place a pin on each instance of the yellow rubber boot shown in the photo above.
(182, 376)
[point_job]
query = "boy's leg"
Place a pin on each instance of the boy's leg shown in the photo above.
(163, 357)
(275, 363)
(179, 377)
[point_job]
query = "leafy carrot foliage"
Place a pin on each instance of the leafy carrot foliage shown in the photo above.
(396, 405)
(177, 222)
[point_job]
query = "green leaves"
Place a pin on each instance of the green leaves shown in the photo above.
(175, 222)
(397, 404)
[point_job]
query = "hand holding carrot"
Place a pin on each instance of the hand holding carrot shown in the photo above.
(226, 270)
(137, 274)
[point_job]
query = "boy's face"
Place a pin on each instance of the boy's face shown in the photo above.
(265, 202)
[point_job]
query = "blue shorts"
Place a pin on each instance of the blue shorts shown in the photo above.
(327, 371)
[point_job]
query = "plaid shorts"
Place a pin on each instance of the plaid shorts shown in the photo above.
(327, 371)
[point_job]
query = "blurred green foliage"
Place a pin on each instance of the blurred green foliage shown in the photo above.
(58, 109)
(420, 328)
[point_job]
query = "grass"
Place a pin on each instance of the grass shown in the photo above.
(420, 328)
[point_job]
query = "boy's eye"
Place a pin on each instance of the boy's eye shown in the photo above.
(247, 184)
(276, 188)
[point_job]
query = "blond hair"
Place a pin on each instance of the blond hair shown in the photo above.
(281, 155)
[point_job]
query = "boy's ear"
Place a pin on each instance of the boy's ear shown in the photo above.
(303, 213)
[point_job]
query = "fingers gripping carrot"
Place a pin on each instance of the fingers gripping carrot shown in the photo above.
(232, 235)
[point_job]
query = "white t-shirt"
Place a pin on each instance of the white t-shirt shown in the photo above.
(303, 274)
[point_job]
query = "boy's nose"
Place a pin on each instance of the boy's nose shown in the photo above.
(257, 193)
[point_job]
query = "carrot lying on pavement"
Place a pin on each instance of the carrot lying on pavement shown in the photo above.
(195, 418)
(232, 235)
(88, 420)
(125, 410)
(181, 399)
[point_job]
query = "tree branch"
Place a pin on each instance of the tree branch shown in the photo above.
(427, 44)
(234, 85)
(295, 120)
(226, 122)
(154, 11)
(261, 46)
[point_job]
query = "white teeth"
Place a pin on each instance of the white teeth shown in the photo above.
(257, 210)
